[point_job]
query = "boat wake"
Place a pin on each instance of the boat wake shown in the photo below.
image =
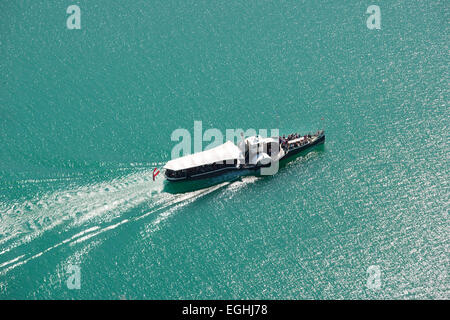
(76, 214)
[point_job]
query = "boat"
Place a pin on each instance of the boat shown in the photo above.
(251, 154)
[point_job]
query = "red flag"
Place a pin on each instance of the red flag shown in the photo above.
(155, 173)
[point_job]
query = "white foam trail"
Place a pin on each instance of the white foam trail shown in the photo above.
(24, 221)
(11, 261)
(84, 232)
(98, 232)
(94, 231)
(239, 184)
(177, 204)
(102, 203)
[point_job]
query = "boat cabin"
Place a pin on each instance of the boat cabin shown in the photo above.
(258, 149)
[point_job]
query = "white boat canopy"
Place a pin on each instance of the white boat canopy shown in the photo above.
(296, 140)
(226, 151)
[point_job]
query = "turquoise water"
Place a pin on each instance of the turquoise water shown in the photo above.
(87, 114)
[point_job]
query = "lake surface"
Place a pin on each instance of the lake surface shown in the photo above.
(86, 115)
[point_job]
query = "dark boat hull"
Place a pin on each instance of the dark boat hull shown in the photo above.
(295, 151)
